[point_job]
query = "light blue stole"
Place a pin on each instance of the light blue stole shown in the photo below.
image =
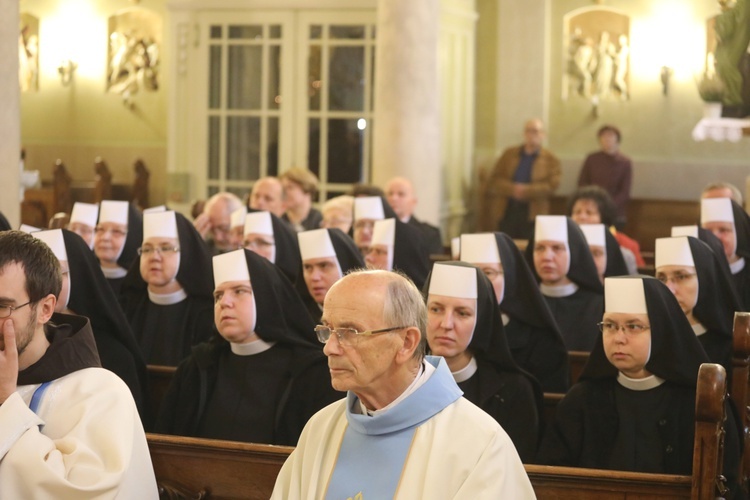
(374, 449)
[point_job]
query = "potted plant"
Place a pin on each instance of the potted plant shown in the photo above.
(711, 90)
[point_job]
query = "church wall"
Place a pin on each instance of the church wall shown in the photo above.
(80, 121)
(656, 128)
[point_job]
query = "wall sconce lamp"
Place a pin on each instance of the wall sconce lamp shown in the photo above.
(66, 70)
(666, 74)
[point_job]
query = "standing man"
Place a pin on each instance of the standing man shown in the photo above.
(610, 170)
(401, 197)
(70, 429)
(521, 185)
(403, 411)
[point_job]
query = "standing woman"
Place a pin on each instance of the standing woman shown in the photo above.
(532, 333)
(464, 326)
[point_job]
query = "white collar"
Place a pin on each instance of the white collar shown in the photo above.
(167, 299)
(113, 273)
(737, 266)
(466, 372)
(425, 372)
(250, 348)
(699, 329)
(558, 290)
(505, 318)
(639, 384)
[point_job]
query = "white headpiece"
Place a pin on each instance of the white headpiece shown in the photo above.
(54, 239)
(114, 211)
(368, 207)
(479, 248)
(716, 210)
(456, 247)
(160, 225)
(685, 231)
(28, 229)
(258, 222)
(453, 281)
(316, 244)
(85, 213)
(551, 228)
(230, 266)
(237, 219)
(673, 252)
(384, 232)
(595, 234)
(157, 208)
(624, 295)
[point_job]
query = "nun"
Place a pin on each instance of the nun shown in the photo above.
(731, 225)
(83, 219)
(692, 272)
(568, 279)
(327, 255)
(263, 375)
(530, 329)
(465, 328)
(236, 226)
(271, 237)
(392, 247)
(117, 237)
(4, 224)
(167, 295)
(634, 406)
(85, 292)
(605, 251)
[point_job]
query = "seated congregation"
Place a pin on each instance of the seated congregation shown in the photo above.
(396, 372)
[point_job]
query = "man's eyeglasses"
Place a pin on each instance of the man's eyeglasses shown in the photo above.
(162, 250)
(630, 329)
(348, 336)
(6, 311)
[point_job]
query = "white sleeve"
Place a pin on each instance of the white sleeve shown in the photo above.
(91, 445)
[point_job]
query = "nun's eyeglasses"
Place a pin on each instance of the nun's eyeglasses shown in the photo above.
(162, 250)
(675, 278)
(630, 329)
(348, 336)
(492, 273)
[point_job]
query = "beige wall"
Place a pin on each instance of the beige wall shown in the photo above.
(656, 128)
(81, 121)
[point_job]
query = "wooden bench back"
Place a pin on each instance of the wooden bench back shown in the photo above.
(205, 468)
(740, 391)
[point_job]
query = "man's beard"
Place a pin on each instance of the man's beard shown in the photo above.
(26, 334)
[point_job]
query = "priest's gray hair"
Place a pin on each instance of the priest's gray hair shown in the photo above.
(404, 306)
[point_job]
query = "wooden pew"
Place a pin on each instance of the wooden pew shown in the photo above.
(740, 391)
(159, 378)
(40, 204)
(576, 361)
(203, 468)
(213, 469)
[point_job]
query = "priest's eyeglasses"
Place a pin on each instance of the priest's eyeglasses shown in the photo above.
(630, 329)
(348, 336)
(6, 311)
(161, 250)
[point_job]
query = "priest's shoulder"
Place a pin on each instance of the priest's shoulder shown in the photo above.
(477, 420)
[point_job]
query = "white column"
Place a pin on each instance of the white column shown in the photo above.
(10, 121)
(406, 134)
